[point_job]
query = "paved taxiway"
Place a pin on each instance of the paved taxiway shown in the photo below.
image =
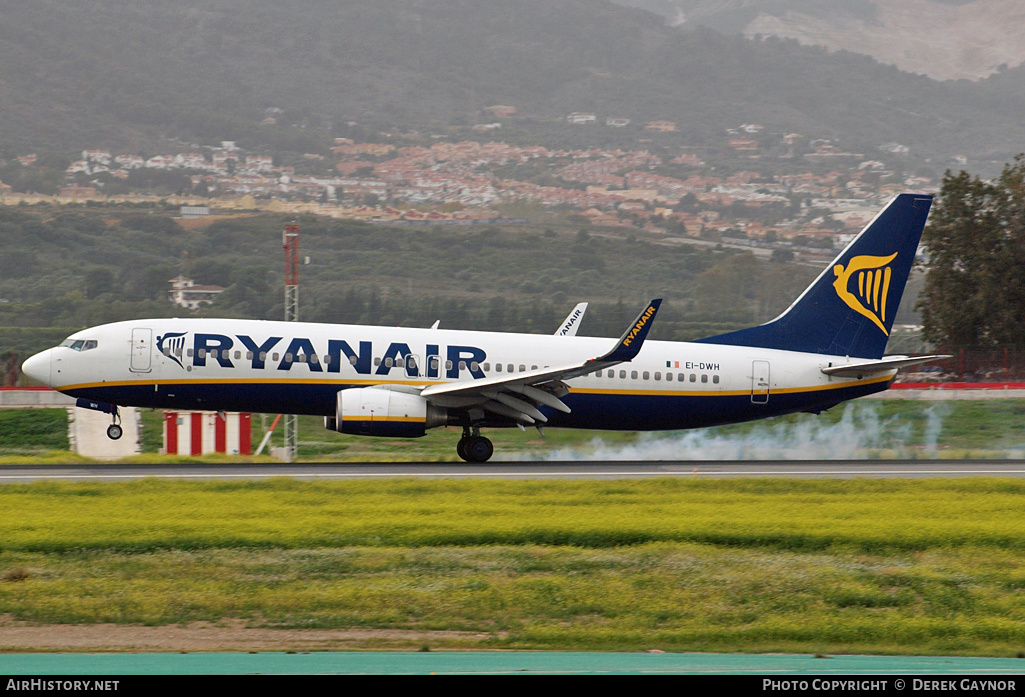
(834, 469)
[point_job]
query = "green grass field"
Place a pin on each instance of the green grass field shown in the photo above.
(851, 566)
(879, 566)
(866, 429)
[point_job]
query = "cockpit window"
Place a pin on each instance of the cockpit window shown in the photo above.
(80, 344)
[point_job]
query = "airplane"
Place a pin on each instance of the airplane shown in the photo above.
(826, 348)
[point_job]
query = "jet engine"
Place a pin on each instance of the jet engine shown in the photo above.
(374, 411)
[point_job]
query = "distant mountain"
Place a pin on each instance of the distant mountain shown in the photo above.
(114, 73)
(944, 39)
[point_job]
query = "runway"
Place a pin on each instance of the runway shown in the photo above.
(821, 469)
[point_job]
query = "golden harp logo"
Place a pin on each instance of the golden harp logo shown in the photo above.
(871, 286)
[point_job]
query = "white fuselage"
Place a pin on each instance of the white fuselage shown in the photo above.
(294, 367)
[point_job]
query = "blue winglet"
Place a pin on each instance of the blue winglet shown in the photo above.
(630, 343)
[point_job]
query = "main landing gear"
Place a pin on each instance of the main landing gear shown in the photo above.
(473, 447)
(114, 431)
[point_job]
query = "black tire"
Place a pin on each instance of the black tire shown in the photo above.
(114, 431)
(461, 449)
(479, 449)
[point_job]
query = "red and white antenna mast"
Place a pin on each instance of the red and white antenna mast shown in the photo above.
(290, 241)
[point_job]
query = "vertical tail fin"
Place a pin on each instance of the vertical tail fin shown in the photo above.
(849, 309)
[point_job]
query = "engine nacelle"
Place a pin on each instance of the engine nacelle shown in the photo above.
(372, 411)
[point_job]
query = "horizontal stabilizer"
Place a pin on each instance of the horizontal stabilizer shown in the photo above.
(857, 370)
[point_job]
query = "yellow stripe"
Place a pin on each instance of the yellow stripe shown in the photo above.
(401, 419)
(246, 381)
(886, 291)
(875, 292)
(730, 393)
(577, 390)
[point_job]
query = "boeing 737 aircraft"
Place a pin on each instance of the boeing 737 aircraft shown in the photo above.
(827, 347)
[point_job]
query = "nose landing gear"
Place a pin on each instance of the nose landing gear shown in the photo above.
(114, 431)
(473, 447)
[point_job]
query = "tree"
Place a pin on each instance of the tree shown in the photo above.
(974, 294)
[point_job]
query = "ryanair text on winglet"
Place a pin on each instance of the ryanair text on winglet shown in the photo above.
(639, 326)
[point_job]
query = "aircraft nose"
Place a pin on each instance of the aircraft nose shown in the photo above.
(37, 367)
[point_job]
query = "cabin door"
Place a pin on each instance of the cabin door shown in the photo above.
(142, 341)
(760, 382)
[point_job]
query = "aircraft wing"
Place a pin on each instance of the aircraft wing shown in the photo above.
(518, 395)
(570, 325)
(857, 370)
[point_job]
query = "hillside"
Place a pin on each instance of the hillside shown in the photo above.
(68, 270)
(944, 39)
(114, 73)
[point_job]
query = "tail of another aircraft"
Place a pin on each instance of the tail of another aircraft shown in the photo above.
(849, 309)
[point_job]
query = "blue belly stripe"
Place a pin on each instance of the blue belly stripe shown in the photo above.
(608, 411)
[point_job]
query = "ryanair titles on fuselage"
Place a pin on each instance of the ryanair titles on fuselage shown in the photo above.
(255, 354)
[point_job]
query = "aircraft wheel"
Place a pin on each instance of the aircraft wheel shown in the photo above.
(114, 431)
(478, 449)
(461, 449)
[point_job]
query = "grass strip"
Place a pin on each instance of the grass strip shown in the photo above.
(806, 515)
(879, 566)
